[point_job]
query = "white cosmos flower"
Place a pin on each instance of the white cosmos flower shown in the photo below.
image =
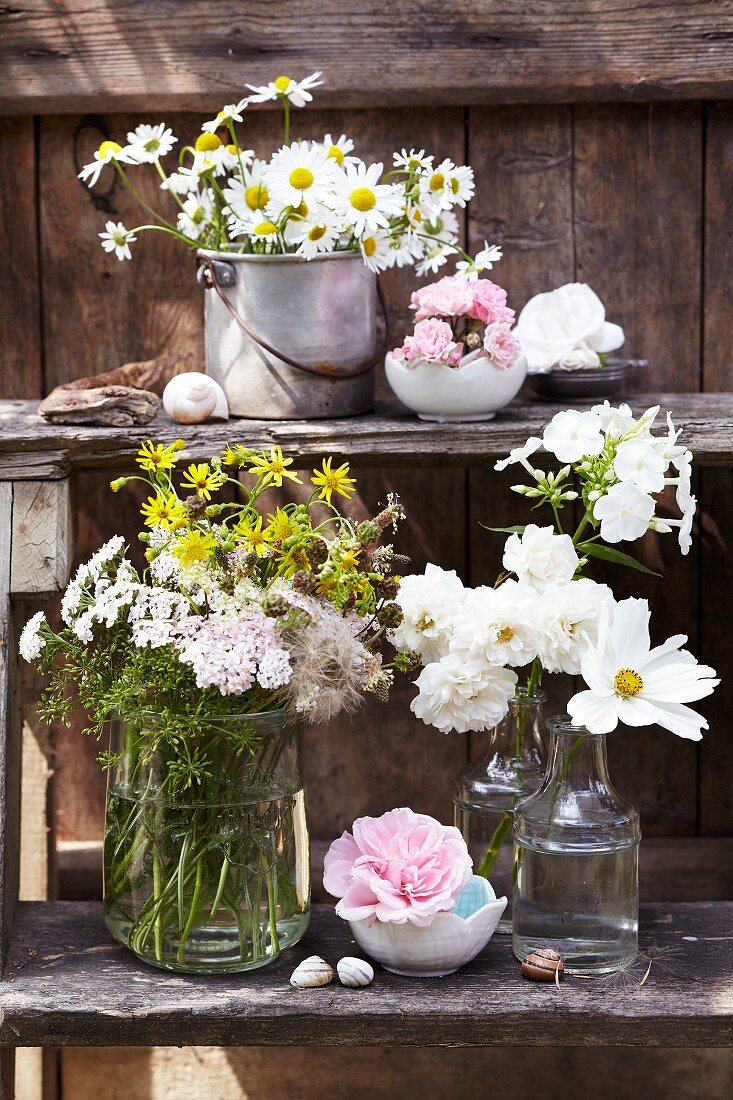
(117, 239)
(497, 625)
(540, 557)
(376, 250)
(338, 149)
(630, 682)
(458, 693)
(148, 143)
(296, 91)
(625, 512)
(430, 603)
(300, 172)
(483, 261)
(195, 218)
(31, 640)
(520, 455)
(228, 115)
(638, 462)
(568, 617)
(364, 203)
(553, 324)
(107, 152)
(181, 182)
(571, 435)
(416, 158)
(250, 193)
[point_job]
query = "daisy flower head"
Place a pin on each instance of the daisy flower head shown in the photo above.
(227, 116)
(436, 190)
(412, 161)
(338, 149)
(117, 239)
(300, 172)
(435, 257)
(314, 233)
(257, 226)
(628, 681)
(202, 479)
(377, 251)
(365, 203)
(212, 155)
(146, 144)
(297, 92)
(107, 153)
(483, 261)
(272, 467)
(443, 226)
(181, 182)
(331, 481)
(195, 217)
(249, 194)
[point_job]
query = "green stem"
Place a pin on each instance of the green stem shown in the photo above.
(158, 931)
(286, 109)
(491, 854)
(220, 888)
(139, 199)
(181, 956)
(581, 527)
(271, 875)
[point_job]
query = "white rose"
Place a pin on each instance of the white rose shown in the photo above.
(568, 619)
(429, 604)
(540, 557)
(579, 358)
(497, 625)
(553, 325)
(465, 695)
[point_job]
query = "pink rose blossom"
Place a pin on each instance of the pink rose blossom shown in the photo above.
(396, 868)
(501, 345)
(433, 340)
(449, 297)
(489, 303)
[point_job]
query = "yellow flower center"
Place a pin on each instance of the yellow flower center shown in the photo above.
(256, 197)
(301, 178)
(233, 149)
(336, 154)
(283, 83)
(416, 216)
(363, 199)
(198, 215)
(108, 147)
(437, 181)
(628, 683)
(207, 143)
(301, 209)
(264, 228)
(454, 185)
(317, 232)
(369, 244)
(505, 635)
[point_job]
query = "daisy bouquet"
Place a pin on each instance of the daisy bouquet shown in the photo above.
(239, 613)
(310, 197)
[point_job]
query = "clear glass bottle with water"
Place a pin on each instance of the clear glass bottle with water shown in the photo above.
(576, 844)
(510, 767)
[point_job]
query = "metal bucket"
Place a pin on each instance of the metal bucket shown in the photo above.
(320, 314)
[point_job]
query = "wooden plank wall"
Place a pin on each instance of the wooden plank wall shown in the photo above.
(634, 198)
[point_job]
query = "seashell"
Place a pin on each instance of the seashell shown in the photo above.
(354, 972)
(312, 972)
(543, 965)
(193, 397)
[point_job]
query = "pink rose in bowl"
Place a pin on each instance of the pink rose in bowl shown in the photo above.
(432, 340)
(489, 303)
(397, 868)
(501, 345)
(449, 297)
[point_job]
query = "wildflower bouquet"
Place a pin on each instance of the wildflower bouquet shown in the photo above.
(241, 619)
(310, 197)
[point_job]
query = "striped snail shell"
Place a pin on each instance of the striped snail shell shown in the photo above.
(354, 972)
(543, 965)
(193, 397)
(312, 972)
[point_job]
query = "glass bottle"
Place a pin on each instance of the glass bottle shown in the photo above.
(206, 872)
(487, 791)
(576, 844)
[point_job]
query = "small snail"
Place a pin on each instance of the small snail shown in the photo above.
(543, 965)
(354, 972)
(311, 973)
(193, 397)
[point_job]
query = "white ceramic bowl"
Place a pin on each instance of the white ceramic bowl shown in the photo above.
(452, 940)
(475, 390)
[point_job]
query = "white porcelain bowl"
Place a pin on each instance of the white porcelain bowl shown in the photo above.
(452, 940)
(475, 390)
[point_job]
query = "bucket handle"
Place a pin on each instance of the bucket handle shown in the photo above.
(210, 280)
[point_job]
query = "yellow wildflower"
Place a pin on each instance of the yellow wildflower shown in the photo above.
(331, 481)
(236, 455)
(154, 457)
(349, 562)
(281, 526)
(252, 535)
(272, 468)
(203, 480)
(194, 546)
(160, 511)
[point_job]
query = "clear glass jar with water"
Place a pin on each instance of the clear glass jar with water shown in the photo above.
(576, 844)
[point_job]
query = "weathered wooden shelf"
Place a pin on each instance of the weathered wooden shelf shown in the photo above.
(32, 449)
(70, 984)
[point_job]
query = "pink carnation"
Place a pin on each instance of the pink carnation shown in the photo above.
(396, 868)
(501, 345)
(489, 303)
(449, 297)
(433, 340)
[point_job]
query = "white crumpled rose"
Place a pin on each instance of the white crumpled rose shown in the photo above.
(580, 358)
(562, 324)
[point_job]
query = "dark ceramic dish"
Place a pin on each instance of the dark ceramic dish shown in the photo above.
(605, 381)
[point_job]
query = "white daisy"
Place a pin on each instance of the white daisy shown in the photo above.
(412, 160)
(461, 185)
(338, 149)
(318, 232)
(148, 143)
(248, 194)
(405, 250)
(297, 92)
(484, 261)
(195, 218)
(630, 682)
(299, 172)
(376, 250)
(181, 182)
(443, 226)
(434, 259)
(435, 187)
(107, 152)
(228, 115)
(117, 239)
(365, 203)
(257, 226)
(211, 155)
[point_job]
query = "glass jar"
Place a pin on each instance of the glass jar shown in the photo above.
(206, 846)
(487, 792)
(576, 845)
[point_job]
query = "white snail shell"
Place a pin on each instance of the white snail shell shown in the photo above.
(354, 972)
(193, 397)
(312, 972)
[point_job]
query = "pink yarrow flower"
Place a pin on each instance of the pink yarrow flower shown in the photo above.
(449, 297)
(501, 345)
(489, 303)
(432, 340)
(396, 868)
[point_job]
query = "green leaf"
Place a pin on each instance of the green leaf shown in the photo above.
(518, 530)
(607, 553)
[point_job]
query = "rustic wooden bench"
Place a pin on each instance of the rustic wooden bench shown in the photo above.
(66, 982)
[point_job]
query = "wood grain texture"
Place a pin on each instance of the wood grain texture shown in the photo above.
(718, 241)
(42, 538)
(104, 54)
(10, 736)
(72, 984)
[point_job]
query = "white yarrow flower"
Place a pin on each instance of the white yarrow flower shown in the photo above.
(540, 557)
